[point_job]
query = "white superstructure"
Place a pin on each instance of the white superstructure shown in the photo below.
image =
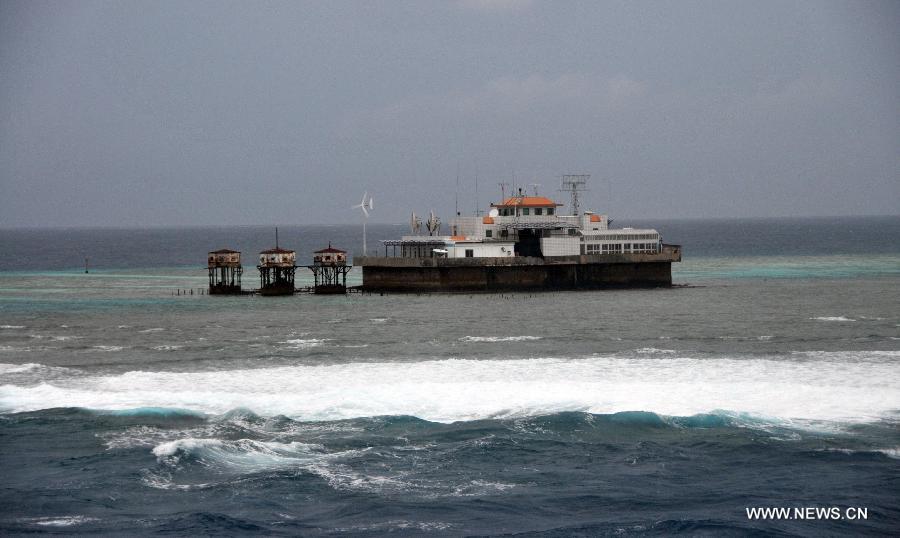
(527, 226)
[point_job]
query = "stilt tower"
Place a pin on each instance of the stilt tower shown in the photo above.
(225, 272)
(276, 270)
(330, 270)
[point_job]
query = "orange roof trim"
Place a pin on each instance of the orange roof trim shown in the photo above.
(487, 220)
(458, 237)
(527, 201)
(596, 218)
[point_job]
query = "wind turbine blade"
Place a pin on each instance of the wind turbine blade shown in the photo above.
(371, 206)
(363, 201)
(365, 212)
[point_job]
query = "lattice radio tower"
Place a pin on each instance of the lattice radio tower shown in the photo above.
(574, 184)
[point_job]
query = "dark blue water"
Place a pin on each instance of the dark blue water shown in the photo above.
(772, 381)
(66, 248)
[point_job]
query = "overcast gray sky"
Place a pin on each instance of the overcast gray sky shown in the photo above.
(173, 113)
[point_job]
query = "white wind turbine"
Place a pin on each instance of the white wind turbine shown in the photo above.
(365, 204)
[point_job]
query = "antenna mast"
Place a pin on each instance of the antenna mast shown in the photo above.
(574, 184)
(476, 190)
(503, 186)
(276, 237)
(457, 189)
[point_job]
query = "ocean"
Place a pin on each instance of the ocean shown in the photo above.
(133, 404)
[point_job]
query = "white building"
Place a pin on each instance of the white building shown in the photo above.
(527, 226)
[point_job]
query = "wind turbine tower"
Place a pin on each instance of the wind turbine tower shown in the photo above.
(365, 204)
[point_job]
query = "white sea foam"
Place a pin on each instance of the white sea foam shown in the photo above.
(59, 521)
(856, 387)
(849, 356)
(167, 348)
(250, 456)
(19, 368)
(893, 453)
(833, 318)
(12, 326)
(499, 338)
(304, 343)
(56, 338)
(109, 348)
(396, 524)
(241, 455)
(653, 350)
(151, 330)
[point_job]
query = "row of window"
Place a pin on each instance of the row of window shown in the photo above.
(618, 248)
(511, 212)
(621, 237)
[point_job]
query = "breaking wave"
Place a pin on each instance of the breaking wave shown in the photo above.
(856, 386)
(186, 464)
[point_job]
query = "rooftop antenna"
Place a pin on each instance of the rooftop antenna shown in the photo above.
(276, 237)
(534, 187)
(503, 186)
(365, 204)
(476, 191)
(457, 188)
(574, 184)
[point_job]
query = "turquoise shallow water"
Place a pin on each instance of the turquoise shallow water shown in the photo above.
(770, 379)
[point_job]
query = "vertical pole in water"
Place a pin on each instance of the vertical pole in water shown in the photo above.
(85, 266)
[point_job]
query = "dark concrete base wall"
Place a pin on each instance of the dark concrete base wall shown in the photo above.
(517, 277)
(280, 288)
(223, 289)
(330, 289)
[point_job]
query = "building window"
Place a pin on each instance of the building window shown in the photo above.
(525, 211)
(549, 210)
(539, 211)
(470, 253)
(489, 233)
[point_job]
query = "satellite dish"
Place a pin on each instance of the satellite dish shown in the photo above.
(494, 212)
(433, 224)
